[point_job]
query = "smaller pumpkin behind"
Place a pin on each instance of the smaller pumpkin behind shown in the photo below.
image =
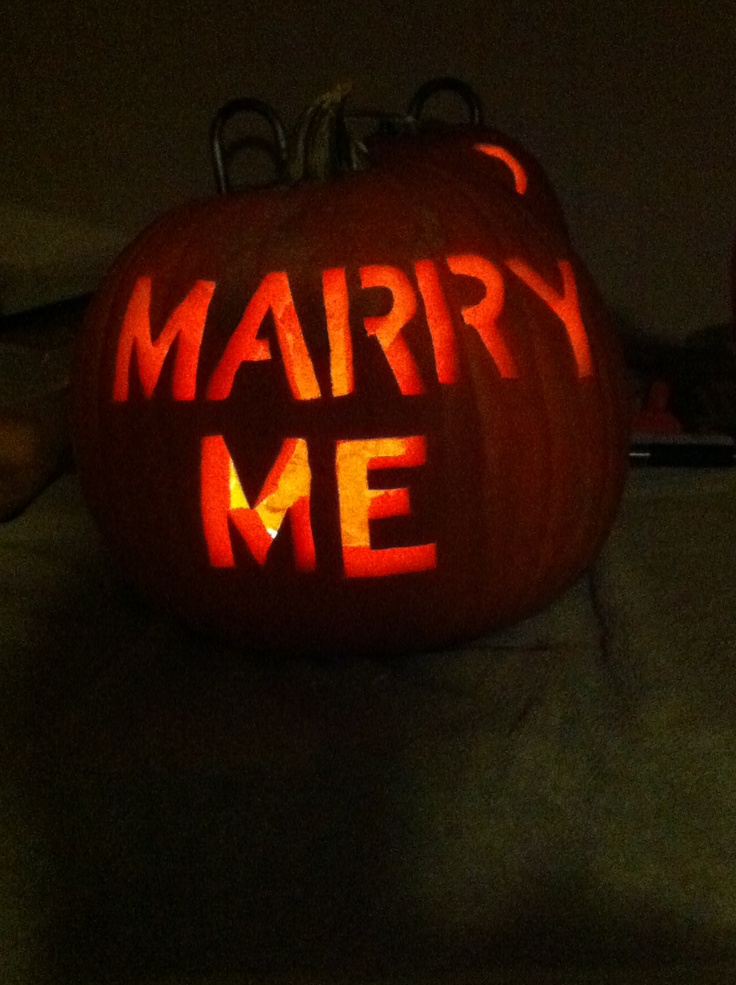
(482, 156)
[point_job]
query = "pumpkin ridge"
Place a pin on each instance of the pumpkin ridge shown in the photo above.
(561, 543)
(543, 513)
(610, 397)
(551, 542)
(481, 539)
(535, 389)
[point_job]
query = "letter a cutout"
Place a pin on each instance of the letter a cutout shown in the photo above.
(274, 295)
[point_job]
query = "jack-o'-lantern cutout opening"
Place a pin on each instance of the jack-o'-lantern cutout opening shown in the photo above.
(364, 412)
(499, 153)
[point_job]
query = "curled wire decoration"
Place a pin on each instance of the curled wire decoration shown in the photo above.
(388, 124)
(222, 154)
(348, 150)
(446, 84)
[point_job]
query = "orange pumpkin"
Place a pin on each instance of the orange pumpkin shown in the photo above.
(366, 413)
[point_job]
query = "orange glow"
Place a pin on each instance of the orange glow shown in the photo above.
(438, 319)
(483, 316)
(335, 291)
(273, 294)
(494, 150)
(185, 323)
(359, 504)
(388, 328)
(286, 490)
(566, 306)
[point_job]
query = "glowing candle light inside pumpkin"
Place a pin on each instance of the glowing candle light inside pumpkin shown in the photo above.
(483, 316)
(388, 328)
(184, 328)
(439, 320)
(185, 323)
(273, 294)
(494, 150)
(473, 371)
(359, 504)
(565, 305)
(286, 490)
(337, 307)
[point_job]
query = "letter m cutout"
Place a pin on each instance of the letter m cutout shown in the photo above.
(185, 324)
(223, 501)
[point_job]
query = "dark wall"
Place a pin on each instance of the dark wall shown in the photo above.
(631, 108)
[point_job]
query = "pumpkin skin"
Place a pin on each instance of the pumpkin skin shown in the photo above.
(518, 478)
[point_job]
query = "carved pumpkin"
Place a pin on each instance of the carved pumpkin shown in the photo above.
(357, 414)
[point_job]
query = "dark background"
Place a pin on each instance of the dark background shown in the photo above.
(631, 107)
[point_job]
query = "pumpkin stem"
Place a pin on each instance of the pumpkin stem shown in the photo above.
(320, 145)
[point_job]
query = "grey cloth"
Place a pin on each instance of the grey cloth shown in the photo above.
(561, 792)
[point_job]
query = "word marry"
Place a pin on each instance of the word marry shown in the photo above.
(186, 325)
